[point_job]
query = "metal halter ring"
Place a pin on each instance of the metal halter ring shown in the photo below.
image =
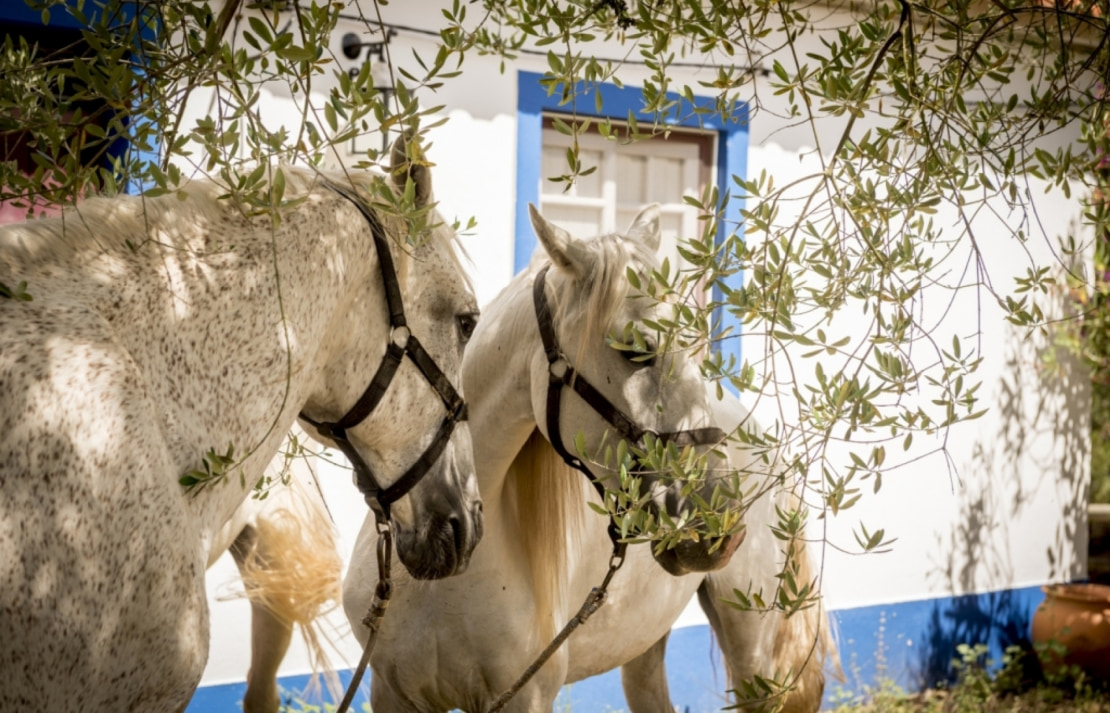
(559, 368)
(400, 336)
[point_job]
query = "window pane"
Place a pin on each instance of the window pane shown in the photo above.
(671, 228)
(631, 180)
(589, 186)
(625, 216)
(580, 221)
(554, 163)
(666, 184)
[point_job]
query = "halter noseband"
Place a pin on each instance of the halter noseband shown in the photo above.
(562, 373)
(402, 343)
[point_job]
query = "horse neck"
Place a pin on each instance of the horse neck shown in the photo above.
(496, 374)
(267, 352)
(530, 495)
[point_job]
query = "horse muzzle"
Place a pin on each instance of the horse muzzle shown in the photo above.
(704, 555)
(442, 545)
(700, 553)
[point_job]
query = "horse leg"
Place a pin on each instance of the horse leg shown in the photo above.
(765, 644)
(644, 680)
(270, 634)
(746, 638)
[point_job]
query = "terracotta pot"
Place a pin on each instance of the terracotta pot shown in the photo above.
(1078, 617)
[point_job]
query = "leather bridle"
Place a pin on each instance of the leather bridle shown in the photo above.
(562, 373)
(402, 344)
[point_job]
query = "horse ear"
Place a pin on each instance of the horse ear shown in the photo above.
(407, 162)
(566, 251)
(645, 227)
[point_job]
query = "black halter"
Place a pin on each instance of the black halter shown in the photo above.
(561, 374)
(402, 344)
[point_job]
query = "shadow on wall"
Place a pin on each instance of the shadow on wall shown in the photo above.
(1037, 476)
(999, 620)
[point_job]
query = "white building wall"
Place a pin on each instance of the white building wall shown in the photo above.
(1003, 512)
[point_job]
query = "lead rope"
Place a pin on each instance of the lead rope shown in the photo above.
(374, 616)
(594, 600)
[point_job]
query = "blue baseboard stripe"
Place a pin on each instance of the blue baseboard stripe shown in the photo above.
(910, 643)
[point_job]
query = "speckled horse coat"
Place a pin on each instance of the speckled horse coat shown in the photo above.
(160, 329)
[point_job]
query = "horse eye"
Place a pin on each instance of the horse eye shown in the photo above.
(639, 359)
(467, 323)
(639, 356)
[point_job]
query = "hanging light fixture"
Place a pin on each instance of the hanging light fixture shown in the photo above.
(380, 76)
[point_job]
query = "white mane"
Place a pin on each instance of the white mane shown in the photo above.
(605, 286)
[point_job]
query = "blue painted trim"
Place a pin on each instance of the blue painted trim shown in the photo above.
(911, 643)
(228, 697)
(732, 160)
(19, 13)
(533, 100)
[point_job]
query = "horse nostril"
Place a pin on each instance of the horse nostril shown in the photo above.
(458, 533)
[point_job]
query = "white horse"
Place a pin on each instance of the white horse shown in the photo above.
(754, 643)
(459, 643)
(162, 330)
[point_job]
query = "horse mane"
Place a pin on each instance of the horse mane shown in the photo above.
(550, 499)
(604, 284)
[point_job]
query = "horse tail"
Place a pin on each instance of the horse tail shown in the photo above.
(803, 641)
(294, 569)
(550, 504)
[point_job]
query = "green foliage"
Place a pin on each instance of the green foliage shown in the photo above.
(760, 695)
(858, 235)
(18, 293)
(140, 69)
(1017, 684)
(1100, 442)
(1088, 336)
(940, 108)
(214, 469)
(292, 450)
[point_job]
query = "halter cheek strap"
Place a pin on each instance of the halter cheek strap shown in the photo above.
(402, 344)
(561, 373)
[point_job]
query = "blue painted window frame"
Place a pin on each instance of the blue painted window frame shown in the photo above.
(616, 102)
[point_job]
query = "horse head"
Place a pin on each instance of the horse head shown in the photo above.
(615, 381)
(410, 446)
